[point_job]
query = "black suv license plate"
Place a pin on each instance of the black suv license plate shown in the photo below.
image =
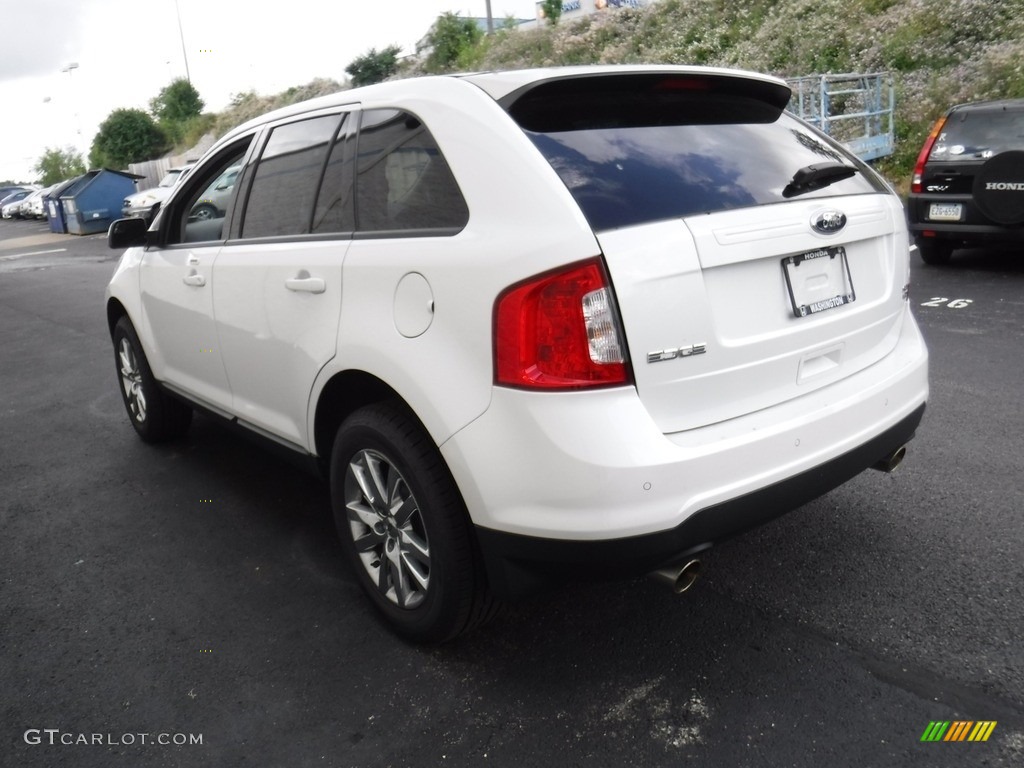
(818, 280)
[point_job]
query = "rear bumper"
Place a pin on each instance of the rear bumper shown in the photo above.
(557, 480)
(517, 564)
(974, 226)
(976, 232)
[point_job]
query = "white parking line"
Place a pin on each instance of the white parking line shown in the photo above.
(14, 256)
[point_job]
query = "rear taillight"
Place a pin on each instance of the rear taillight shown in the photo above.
(559, 330)
(915, 182)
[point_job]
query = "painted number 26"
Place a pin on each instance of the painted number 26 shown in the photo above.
(939, 301)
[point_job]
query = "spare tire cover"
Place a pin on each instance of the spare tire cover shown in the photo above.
(999, 188)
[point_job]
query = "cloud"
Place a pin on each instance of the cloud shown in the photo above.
(40, 37)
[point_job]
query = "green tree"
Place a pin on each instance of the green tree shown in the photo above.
(59, 164)
(451, 39)
(552, 10)
(175, 107)
(176, 103)
(127, 136)
(374, 67)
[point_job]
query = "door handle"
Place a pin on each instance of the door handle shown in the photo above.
(306, 284)
(194, 279)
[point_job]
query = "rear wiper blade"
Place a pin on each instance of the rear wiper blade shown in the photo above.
(812, 177)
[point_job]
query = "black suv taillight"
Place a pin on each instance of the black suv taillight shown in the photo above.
(926, 150)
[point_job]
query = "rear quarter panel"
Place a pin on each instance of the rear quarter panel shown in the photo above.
(522, 221)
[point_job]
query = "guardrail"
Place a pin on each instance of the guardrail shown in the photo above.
(855, 109)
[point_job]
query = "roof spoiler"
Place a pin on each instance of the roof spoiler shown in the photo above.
(580, 101)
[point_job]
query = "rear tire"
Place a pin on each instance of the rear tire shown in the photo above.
(405, 528)
(156, 416)
(935, 252)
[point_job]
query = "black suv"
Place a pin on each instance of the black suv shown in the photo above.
(968, 184)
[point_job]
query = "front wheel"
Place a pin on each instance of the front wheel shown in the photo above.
(155, 415)
(405, 528)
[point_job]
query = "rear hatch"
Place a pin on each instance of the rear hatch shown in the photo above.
(753, 260)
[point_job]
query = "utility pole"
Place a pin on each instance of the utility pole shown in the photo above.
(490, 19)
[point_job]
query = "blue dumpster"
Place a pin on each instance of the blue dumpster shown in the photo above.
(95, 200)
(52, 207)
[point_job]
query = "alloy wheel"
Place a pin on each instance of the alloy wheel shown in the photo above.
(387, 529)
(131, 380)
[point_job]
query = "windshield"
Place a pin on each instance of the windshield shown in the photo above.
(170, 179)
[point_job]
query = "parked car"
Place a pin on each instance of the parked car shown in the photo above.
(12, 201)
(213, 203)
(10, 189)
(32, 206)
(532, 324)
(142, 204)
(14, 209)
(968, 184)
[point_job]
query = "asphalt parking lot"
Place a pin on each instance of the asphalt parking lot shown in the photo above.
(194, 594)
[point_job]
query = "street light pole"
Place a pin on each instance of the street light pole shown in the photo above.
(70, 67)
(181, 34)
(490, 19)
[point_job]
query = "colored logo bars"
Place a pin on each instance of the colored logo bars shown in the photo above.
(958, 730)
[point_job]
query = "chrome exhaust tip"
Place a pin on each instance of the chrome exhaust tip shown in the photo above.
(890, 462)
(679, 578)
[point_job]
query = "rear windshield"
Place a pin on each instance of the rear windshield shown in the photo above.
(634, 150)
(976, 134)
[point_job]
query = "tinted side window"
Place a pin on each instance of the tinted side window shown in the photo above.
(403, 181)
(198, 213)
(287, 177)
(335, 206)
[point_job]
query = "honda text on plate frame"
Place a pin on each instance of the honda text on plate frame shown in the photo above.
(681, 313)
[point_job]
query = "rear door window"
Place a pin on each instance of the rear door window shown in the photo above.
(636, 149)
(335, 204)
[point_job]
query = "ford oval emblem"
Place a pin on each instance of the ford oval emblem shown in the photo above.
(828, 222)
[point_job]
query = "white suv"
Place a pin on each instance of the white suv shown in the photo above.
(533, 324)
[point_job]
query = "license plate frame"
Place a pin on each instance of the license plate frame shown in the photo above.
(833, 267)
(945, 212)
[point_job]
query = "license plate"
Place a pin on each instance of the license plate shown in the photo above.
(945, 211)
(818, 280)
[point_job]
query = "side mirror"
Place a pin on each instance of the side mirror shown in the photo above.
(127, 233)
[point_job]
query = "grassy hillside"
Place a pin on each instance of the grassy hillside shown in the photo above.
(942, 52)
(246, 106)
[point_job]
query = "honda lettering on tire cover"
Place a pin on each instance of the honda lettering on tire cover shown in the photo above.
(999, 188)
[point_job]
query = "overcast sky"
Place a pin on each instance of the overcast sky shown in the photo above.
(126, 52)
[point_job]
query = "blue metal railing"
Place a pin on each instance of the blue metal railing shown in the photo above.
(855, 109)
